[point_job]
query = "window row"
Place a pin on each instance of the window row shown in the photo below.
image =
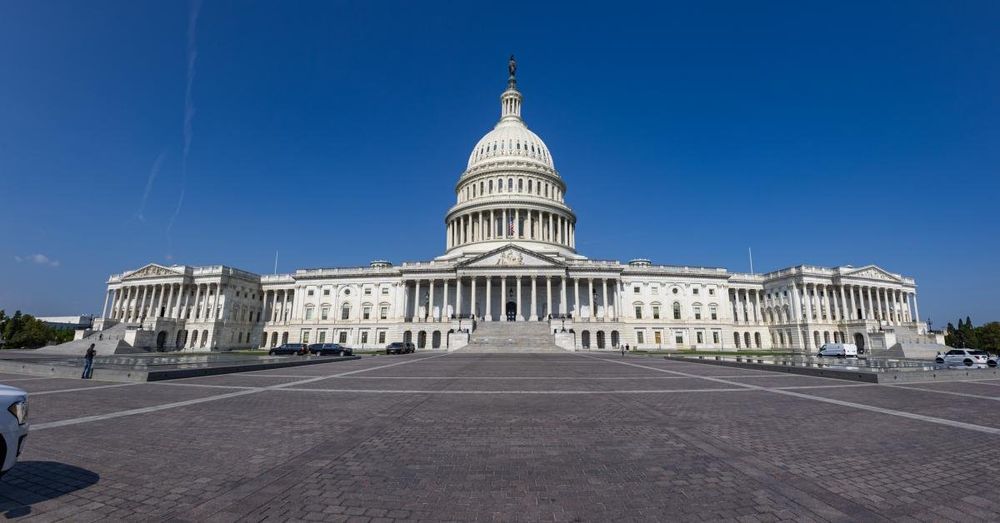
(519, 185)
(697, 311)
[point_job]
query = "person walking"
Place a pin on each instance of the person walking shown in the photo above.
(622, 347)
(88, 363)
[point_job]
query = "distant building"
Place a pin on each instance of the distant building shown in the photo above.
(67, 322)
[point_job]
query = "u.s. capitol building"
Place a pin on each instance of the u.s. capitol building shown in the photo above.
(510, 265)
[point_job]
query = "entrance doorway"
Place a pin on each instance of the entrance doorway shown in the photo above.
(859, 340)
(511, 310)
(161, 340)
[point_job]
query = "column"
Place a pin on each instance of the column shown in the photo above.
(472, 300)
(534, 302)
(796, 305)
(548, 296)
(107, 296)
(517, 294)
(445, 302)
(517, 230)
(916, 308)
(430, 302)
(562, 297)
(866, 304)
(549, 215)
(576, 298)
(197, 303)
(504, 230)
(503, 298)
(845, 313)
(482, 220)
(458, 296)
(170, 302)
(416, 301)
(604, 296)
(489, 298)
(591, 291)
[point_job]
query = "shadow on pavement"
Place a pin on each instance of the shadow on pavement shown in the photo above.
(31, 482)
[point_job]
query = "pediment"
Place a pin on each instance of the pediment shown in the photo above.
(872, 272)
(510, 256)
(152, 270)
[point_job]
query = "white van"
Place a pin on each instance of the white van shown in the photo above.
(841, 350)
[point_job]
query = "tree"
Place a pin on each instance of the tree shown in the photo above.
(988, 336)
(967, 334)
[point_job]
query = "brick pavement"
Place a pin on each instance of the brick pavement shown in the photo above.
(526, 437)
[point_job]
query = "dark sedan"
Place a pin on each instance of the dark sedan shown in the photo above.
(330, 349)
(289, 349)
(399, 347)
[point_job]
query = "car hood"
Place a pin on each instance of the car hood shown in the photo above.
(7, 391)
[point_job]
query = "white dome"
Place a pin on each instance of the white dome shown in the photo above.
(510, 140)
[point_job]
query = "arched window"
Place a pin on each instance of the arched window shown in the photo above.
(713, 311)
(637, 306)
(481, 185)
(529, 185)
(696, 308)
(510, 185)
(500, 185)
(546, 190)
(490, 186)
(520, 185)
(345, 312)
(677, 310)
(736, 339)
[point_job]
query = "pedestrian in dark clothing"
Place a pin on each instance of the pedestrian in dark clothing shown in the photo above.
(88, 363)
(623, 350)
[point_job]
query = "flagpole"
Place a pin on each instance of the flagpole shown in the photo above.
(749, 250)
(276, 261)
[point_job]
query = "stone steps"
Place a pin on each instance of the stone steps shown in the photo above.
(512, 337)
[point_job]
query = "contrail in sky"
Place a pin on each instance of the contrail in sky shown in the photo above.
(153, 172)
(192, 56)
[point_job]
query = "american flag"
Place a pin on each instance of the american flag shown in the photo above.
(510, 227)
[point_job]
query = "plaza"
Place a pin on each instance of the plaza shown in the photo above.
(524, 436)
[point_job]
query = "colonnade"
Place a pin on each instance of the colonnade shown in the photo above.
(278, 305)
(747, 305)
(512, 224)
(521, 298)
(132, 303)
(816, 302)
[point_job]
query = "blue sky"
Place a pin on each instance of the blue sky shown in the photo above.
(817, 133)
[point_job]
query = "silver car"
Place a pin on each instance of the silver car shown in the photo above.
(13, 425)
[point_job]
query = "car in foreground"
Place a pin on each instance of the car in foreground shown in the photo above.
(400, 347)
(289, 349)
(967, 357)
(840, 350)
(330, 349)
(14, 426)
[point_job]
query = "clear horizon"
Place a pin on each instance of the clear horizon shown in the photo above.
(205, 134)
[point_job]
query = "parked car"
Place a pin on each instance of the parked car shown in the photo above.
(993, 360)
(289, 349)
(330, 349)
(967, 357)
(14, 425)
(400, 347)
(840, 350)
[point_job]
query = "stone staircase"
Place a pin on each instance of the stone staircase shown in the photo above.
(512, 337)
(107, 342)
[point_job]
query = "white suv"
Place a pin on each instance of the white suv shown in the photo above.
(967, 357)
(13, 424)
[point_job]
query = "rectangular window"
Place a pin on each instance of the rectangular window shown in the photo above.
(639, 338)
(321, 337)
(700, 336)
(381, 336)
(635, 290)
(309, 313)
(714, 313)
(305, 336)
(656, 312)
(638, 312)
(697, 313)
(679, 337)
(368, 291)
(324, 313)
(383, 313)
(695, 290)
(385, 291)
(343, 337)
(310, 292)
(366, 312)
(715, 337)
(657, 337)
(711, 292)
(345, 313)
(364, 336)
(656, 289)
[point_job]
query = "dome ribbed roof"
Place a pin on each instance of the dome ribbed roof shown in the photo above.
(510, 140)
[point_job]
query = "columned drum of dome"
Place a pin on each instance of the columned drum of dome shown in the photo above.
(510, 192)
